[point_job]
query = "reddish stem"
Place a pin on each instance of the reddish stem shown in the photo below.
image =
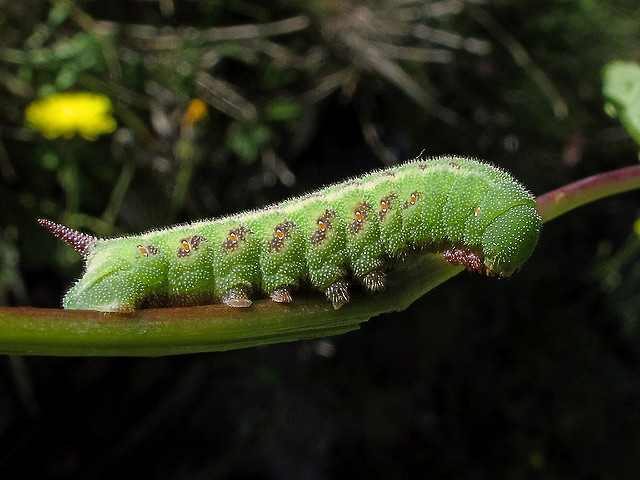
(555, 203)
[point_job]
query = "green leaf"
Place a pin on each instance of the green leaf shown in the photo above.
(247, 139)
(621, 87)
(621, 83)
(280, 111)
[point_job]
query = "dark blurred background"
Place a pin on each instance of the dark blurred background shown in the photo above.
(535, 377)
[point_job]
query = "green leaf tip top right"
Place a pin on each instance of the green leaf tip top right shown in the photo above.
(352, 232)
(621, 89)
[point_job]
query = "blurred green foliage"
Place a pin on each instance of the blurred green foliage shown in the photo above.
(621, 87)
(532, 378)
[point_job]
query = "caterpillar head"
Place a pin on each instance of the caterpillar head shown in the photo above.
(510, 239)
(119, 276)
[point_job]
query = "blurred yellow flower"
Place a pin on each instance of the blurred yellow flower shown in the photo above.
(196, 111)
(636, 227)
(65, 114)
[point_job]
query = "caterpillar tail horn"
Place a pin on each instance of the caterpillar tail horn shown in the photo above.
(81, 242)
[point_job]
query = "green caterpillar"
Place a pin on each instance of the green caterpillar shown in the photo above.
(475, 214)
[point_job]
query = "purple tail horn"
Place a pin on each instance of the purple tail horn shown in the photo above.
(81, 242)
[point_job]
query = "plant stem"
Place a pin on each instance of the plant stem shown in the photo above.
(209, 328)
(569, 197)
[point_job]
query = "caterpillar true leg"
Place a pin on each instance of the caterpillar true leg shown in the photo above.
(469, 260)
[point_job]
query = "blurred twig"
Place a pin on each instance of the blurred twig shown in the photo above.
(7, 172)
(167, 38)
(371, 135)
(522, 58)
(119, 190)
(374, 36)
(224, 97)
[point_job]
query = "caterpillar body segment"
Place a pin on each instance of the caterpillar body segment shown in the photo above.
(475, 214)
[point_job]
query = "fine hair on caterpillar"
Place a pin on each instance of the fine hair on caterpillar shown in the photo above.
(472, 213)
